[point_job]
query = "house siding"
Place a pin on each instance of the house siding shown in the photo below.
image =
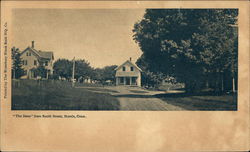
(128, 74)
(31, 58)
(30, 61)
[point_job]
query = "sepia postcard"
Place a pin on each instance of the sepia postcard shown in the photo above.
(128, 76)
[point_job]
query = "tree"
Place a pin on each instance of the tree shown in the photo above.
(148, 78)
(104, 74)
(17, 70)
(151, 79)
(63, 68)
(109, 73)
(193, 45)
(97, 74)
(83, 69)
(40, 71)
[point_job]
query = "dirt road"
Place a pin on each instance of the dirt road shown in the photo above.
(134, 98)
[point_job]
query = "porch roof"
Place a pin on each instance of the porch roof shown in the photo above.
(126, 74)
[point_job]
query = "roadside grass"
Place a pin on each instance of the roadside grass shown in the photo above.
(88, 85)
(201, 102)
(102, 90)
(58, 95)
(169, 86)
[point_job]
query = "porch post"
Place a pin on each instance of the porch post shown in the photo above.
(130, 79)
(28, 74)
(116, 80)
(124, 80)
(47, 74)
(139, 80)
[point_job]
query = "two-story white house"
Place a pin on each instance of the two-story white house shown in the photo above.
(128, 74)
(32, 58)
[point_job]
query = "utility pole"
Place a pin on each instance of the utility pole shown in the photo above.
(73, 73)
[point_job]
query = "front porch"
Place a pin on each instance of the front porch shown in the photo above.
(35, 74)
(129, 81)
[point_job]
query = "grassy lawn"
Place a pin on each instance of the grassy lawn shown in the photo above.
(201, 102)
(102, 90)
(88, 85)
(58, 95)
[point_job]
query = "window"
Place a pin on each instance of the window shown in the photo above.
(25, 62)
(121, 80)
(35, 62)
(134, 80)
(131, 68)
(46, 63)
(123, 68)
(28, 54)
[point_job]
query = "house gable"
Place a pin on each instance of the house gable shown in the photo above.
(39, 54)
(128, 73)
(128, 69)
(128, 63)
(28, 49)
(37, 58)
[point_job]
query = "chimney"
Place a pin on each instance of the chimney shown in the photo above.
(130, 59)
(33, 44)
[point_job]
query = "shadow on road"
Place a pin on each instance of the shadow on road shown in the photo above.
(183, 94)
(134, 96)
(202, 101)
(205, 101)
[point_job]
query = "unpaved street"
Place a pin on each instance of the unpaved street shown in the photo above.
(134, 98)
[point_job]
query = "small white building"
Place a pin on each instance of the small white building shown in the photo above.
(128, 74)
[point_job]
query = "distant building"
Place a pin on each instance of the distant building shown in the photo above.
(128, 74)
(32, 58)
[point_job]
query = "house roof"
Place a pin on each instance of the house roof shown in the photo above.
(46, 54)
(41, 54)
(128, 61)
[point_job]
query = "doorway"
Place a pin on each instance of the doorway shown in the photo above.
(127, 81)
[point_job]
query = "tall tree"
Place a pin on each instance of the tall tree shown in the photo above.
(109, 73)
(192, 45)
(97, 75)
(106, 73)
(63, 68)
(83, 69)
(17, 70)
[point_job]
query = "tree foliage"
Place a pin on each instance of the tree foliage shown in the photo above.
(83, 70)
(17, 70)
(40, 71)
(106, 73)
(193, 45)
(109, 72)
(63, 68)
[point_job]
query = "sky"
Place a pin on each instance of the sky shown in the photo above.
(100, 36)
